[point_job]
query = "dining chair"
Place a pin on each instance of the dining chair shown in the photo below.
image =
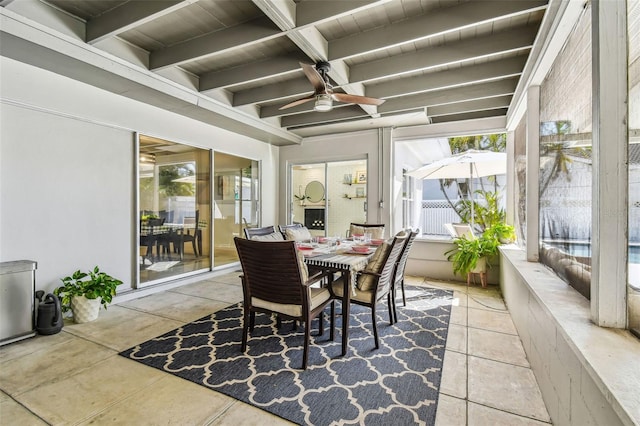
(398, 280)
(375, 229)
(151, 237)
(283, 228)
(375, 282)
(275, 280)
(189, 232)
(266, 233)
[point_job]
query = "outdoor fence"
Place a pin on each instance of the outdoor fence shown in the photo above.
(435, 213)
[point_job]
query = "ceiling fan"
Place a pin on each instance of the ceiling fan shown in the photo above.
(323, 91)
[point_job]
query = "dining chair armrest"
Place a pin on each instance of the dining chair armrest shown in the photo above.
(316, 277)
(374, 274)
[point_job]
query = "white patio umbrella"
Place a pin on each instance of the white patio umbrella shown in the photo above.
(465, 165)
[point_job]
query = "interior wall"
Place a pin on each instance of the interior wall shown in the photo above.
(67, 172)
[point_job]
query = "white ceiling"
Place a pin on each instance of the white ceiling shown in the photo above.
(432, 61)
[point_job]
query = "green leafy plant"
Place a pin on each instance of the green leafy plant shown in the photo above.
(92, 285)
(468, 251)
(502, 232)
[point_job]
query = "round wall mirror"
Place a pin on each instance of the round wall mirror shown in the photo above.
(314, 191)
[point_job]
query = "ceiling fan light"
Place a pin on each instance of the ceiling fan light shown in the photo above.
(323, 103)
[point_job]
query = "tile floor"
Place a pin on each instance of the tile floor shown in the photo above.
(77, 377)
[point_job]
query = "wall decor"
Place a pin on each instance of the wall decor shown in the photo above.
(361, 176)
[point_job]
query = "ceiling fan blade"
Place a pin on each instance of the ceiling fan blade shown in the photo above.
(355, 99)
(299, 101)
(315, 78)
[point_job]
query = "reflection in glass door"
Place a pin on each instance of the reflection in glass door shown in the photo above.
(174, 210)
(345, 194)
(235, 203)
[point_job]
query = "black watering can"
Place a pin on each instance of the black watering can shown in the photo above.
(49, 314)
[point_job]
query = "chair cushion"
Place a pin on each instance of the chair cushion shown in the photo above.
(274, 236)
(317, 297)
(297, 234)
(376, 264)
(304, 270)
(377, 232)
(366, 296)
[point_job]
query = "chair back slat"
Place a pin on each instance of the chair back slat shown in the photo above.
(388, 271)
(404, 255)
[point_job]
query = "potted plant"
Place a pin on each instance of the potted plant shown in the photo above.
(470, 255)
(506, 234)
(84, 292)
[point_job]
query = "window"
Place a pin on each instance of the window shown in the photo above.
(565, 181)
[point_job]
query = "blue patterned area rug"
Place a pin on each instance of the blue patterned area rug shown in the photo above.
(396, 384)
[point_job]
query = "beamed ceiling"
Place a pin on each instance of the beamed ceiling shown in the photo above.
(431, 61)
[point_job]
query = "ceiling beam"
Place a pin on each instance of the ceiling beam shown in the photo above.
(470, 116)
(449, 78)
(421, 27)
(461, 51)
(128, 16)
(238, 37)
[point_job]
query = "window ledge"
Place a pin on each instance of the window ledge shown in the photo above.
(611, 357)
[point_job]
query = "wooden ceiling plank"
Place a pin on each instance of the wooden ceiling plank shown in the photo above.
(128, 16)
(465, 50)
(473, 115)
(237, 37)
(295, 87)
(251, 72)
(440, 21)
(315, 12)
(444, 79)
(470, 106)
(312, 117)
(281, 12)
(458, 94)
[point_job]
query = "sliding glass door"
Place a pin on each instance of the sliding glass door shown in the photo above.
(174, 197)
(235, 203)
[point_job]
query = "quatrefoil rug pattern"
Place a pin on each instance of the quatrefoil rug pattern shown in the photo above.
(396, 384)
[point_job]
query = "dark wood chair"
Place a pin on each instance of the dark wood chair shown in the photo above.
(189, 233)
(402, 263)
(370, 291)
(258, 232)
(151, 237)
(275, 281)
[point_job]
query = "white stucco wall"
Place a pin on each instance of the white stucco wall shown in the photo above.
(67, 172)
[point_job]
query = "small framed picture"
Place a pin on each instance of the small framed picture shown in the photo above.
(347, 178)
(360, 192)
(361, 177)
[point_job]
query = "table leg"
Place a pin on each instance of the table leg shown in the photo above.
(346, 297)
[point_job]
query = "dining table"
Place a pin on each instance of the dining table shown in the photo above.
(344, 260)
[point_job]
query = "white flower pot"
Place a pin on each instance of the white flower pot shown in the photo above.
(85, 310)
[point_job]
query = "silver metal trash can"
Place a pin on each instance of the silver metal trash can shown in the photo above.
(17, 292)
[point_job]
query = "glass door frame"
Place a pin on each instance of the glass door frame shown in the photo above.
(324, 161)
(137, 218)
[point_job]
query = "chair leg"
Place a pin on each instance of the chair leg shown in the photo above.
(195, 250)
(252, 320)
(321, 320)
(391, 302)
(374, 325)
(307, 335)
(245, 328)
(404, 298)
(333, 319)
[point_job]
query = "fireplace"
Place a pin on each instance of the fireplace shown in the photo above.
(314, 219)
